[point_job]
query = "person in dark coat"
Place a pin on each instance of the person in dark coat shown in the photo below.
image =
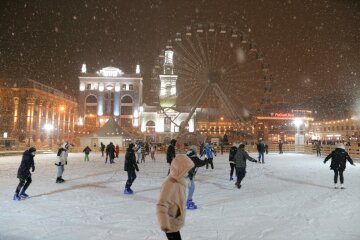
(24, 174)
(102, 148)
(170, 154)
(281, 147)
(130, 166)
(240, 162)
(318, 148)
(110, 153)
(87, 151)
(192, 154)
(232, 153)
(261, 150)
(338, 163)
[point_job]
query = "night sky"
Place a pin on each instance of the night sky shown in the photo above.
(312, 47)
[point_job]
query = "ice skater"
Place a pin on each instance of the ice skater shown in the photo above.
(232, 153)
(24, 174)
(192, 154)
(61, 160)
(152, 152)
(240, 162)
(102, 149)
(170, 154)
(170, 208)
(338, 163)
(130, 166)
(209, 152)
(261, 150)
(87, 151)
(318, 148)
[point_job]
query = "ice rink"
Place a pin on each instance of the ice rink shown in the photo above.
(291, 196)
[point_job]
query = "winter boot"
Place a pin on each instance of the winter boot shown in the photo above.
(342, 186)
(336, 186)
(231, 178)
(23, 195)
(16, 197)
(57, 180)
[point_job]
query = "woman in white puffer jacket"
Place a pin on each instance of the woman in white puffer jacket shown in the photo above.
(61, 160)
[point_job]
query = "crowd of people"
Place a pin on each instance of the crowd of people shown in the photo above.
(173, 200)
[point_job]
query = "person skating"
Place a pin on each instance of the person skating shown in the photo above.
(281, 147)
(102, 149)
(170, 208)
(232, 153)
(117, 151)
(261, 150)
(240, 162)
(338, 163)
(138, 152)
(24, 174)
(152, 152)
(87, 151)
(110, 153)
(170, 154)
(318, 148)
(143, 154)
(130, 166)
(209, 152)
(61, 160)
(192, 154)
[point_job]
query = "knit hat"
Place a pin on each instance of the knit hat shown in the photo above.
(340, 145)
(32, 149)
(131, 145)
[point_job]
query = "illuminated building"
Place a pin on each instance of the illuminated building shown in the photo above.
(109, 93)
(36, 114)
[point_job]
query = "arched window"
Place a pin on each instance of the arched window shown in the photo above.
(126, 105)
(150, 127)
(90, 104)
(126, 99)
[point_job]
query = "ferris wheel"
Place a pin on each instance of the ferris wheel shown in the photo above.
(220, 72)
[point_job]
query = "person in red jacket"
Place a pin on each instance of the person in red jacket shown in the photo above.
(117, 150)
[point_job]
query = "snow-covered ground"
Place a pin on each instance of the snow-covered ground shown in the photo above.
(289, 197)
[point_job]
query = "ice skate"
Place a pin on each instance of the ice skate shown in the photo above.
(16, 197)
(128, 191)
(238, 185)
(336, 186)
(342, 186)
(191, 205)
(23, 195)
(231, 178)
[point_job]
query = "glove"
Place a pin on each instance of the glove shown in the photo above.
(324, 161)
(33, 169)
(66, 163)
(137, 168)
(353, 164)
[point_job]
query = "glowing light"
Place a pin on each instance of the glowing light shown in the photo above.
(82, 86)
(137, 71)
(298, 122)
(83, 68)
(62, 108)
(101, 87)
(48, 127)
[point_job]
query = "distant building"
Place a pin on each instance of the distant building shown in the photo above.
(34, 113)
(109, 93)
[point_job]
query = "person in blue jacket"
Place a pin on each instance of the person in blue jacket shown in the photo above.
(24, 174)
(209, 152)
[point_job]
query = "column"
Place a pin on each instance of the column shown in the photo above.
(100, 104)
(39, 130)
(30, 101)
(16, 113)
(117, 104)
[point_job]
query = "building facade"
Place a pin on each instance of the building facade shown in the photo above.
(36, 114)
(109, 93)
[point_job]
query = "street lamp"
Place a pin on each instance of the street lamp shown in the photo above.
(49, 127)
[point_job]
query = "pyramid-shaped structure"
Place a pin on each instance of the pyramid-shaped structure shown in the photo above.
(112, 129)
